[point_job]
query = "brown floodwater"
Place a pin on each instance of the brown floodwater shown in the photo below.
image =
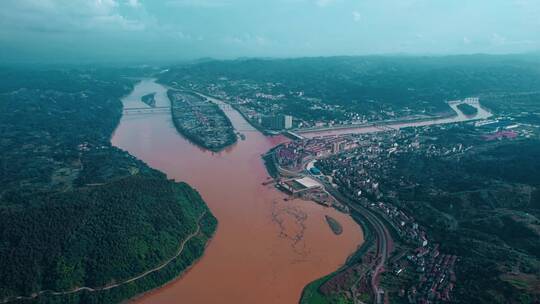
(265, 249)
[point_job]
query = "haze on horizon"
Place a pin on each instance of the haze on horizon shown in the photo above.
(75, 31)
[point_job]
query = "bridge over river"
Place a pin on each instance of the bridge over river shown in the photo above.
(146, 110)
(273, 247)
(160, 109)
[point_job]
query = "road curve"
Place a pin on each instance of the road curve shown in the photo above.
(383, 238)
(112, 286)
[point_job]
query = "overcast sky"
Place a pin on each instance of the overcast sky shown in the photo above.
(151, 30)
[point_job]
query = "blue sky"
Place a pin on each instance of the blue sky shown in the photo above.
(152, 30)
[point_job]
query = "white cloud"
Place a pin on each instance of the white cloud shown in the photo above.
(67, 16)
(248, 40)
(500, 41)
(197, 3)
(133, 3)
(497, 39)
(114, 21)
(356, 16)
(260, 40)
(323, 3)
(183, 36)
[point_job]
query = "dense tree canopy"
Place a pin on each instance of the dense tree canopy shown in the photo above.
(75, 211)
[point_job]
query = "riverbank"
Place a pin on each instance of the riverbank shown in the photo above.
(112, 227)
(374, 124)
(211, 229)
(248, 241)
(323, 290)
(255, 125)
(482, 113)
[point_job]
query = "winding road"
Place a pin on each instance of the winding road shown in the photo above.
(383, 237)
(115, 285)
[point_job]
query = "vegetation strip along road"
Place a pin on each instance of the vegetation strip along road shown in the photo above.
(384, 241)
(111, 286)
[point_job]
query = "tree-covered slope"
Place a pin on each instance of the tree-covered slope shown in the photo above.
(483, 207)
(362, 84)
(75, 211)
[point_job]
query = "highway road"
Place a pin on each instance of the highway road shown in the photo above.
(382, 236)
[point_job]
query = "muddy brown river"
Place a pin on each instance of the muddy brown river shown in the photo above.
(265, 249)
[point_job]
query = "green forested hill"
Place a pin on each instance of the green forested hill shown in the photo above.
(75, 211)
(360, 84)
(483, 207)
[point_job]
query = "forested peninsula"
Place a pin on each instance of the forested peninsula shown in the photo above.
(80, 220)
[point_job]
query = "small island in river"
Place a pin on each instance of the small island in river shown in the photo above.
(149, 99)
(201, 121)
(67, 190)
(336, 227)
